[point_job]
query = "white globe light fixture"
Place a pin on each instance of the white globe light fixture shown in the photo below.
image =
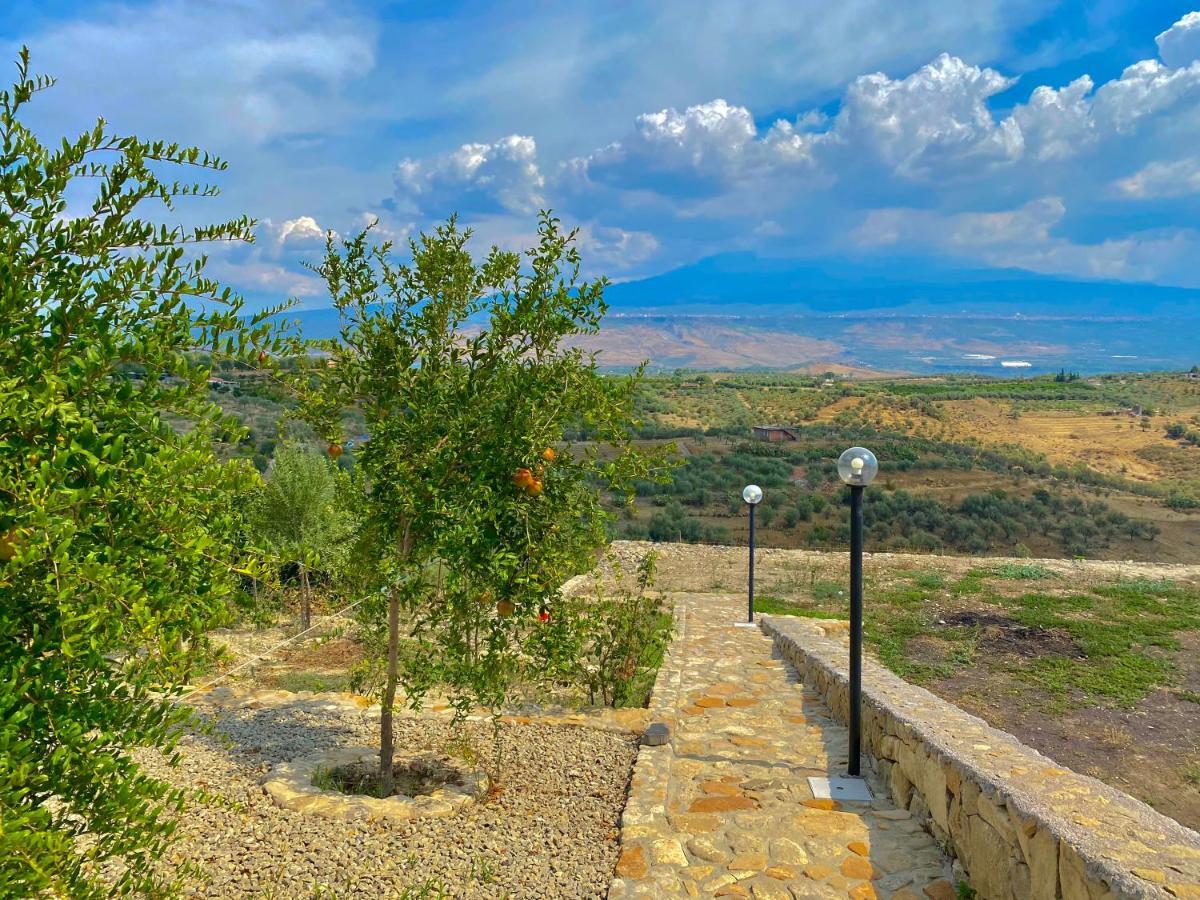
(753, 495)
(858, 466)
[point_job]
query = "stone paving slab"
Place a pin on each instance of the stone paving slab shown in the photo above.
(724, 809)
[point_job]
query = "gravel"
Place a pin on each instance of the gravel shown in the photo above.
(550, 830)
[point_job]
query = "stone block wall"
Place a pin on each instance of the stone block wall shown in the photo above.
(1020, 825)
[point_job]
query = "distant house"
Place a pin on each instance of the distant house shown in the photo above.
(773, 433)
(1192, 376)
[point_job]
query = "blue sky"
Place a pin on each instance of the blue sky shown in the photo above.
(1060, 138)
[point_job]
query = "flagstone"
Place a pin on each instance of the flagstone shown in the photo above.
(725, 806)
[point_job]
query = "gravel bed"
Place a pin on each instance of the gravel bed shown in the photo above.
(550, 831)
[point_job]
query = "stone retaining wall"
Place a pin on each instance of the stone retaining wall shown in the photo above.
(1021, 826)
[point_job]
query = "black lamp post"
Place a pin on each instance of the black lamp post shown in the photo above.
(857, 467)
(753, 495)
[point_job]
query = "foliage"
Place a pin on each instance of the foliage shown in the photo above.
(613, 642)
(475, 508)
(1022, 571)
(118, 533)
(303, 514)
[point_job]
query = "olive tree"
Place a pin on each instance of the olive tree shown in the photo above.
(118, 532)
(301, 515)
(475, 509)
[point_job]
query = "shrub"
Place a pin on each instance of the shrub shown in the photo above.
(623, 633)
(120, 537)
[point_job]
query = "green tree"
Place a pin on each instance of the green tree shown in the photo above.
(118, 532)
(475, 508)
(302, 515)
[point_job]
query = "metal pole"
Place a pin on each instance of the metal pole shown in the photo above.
(856, 626)
(751, 580)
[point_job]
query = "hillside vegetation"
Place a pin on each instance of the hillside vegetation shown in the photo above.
(1099, 468)
(1105, 468)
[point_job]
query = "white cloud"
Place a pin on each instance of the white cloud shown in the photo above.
(616, 247)
(1145, 90)
(1179, 45)
(706, 137)
(221, 74)
(1056, 124)
(506, 173)
(1030, 223)
(1176, 178)
(931, 122)
(716, 144)
(1025, 238)
(302, 230)
(273, 280)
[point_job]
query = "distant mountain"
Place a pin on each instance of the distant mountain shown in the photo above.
(743, 281)
(739, 311)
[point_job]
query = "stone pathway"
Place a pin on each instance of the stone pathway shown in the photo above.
(724, 808)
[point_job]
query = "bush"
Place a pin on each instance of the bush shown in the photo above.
(620, 637)
(120, 536)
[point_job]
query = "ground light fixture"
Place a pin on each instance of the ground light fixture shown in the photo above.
(858, 468)
(753, 495)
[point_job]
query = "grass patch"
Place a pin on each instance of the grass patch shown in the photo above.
(1116, 627)
(930, 581)
(889, 638)
(772, 605)
(312, 681)
(971, 583)
(1042, 610)
(1022, 572)
(417, 778)
(829, 591)
(1122, 680)
(1189, 696)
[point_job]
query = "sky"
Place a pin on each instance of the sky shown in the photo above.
(1057, 138)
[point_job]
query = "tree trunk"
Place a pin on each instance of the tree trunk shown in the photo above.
(386, 741)
(305, 602)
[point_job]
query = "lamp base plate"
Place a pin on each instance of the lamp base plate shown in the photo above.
(841, 787)
(745, 624)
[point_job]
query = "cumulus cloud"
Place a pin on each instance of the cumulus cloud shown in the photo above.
(504, 174)
(705, 137)
(716, 144)
(933, 121)
(1146, 90)
(1179, 45)
(1055, 124)
(303, 230)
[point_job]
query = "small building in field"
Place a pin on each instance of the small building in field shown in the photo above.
(773, 433)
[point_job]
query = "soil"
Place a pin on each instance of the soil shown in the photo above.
(336, 654)
(1000, 634)
(412, 779)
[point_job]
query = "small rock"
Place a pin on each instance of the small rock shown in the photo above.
(657, 734)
